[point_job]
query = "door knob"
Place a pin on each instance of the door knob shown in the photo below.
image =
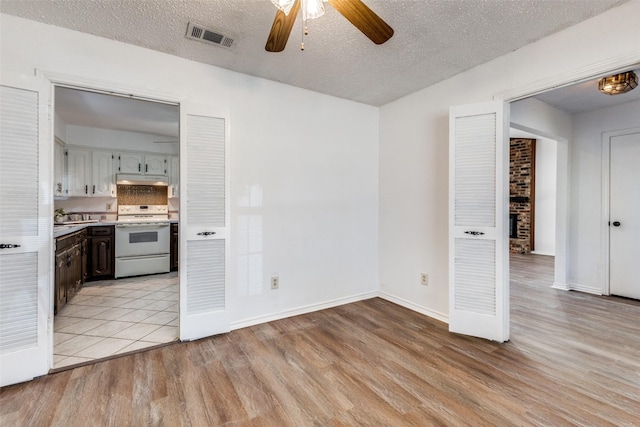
(616, 223)
(8, 246)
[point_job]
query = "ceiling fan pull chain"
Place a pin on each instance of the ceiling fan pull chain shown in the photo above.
(305, 29)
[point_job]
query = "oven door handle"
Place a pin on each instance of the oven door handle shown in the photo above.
(150, 224)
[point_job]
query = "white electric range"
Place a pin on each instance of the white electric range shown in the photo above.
(142, 240)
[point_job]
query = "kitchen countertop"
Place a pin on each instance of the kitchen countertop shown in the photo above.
(63, 230)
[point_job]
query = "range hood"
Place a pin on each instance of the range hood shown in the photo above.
(125, 179)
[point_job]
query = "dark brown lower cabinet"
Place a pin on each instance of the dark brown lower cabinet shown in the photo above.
(174, 247)
(101, 253)
(60, 280)
(70, 263)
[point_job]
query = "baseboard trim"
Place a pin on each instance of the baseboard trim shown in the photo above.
(585, 289)
(576, 287)
(301, 310)
(561, 286)
(545, 253)
(415, 307)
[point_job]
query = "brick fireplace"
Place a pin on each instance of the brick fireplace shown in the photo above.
(521, 194)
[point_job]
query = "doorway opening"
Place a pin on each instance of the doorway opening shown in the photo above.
(583, 219)
(115, 157)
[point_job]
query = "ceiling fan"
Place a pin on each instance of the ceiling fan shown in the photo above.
(355, 11)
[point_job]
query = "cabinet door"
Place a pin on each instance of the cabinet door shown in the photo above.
(155, 165)
(75, 270)
(102, 174)
(60, 281)
(83, 262)
(174, 176)
(58, 169)
(78, 170)
(130, 163)
(174, 247)
(101, 256)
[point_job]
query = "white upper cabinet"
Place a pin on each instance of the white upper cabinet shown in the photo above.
(102, 174)
(90, 173)
(174, 176)
(59, 182)
(142, 164)
(130, 163)
(155, 164)
(78, 172)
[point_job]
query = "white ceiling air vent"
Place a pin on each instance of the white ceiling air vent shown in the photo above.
(200, 33)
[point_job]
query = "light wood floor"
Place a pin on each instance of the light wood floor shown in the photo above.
(574, 359)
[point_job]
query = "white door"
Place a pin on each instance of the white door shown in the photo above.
(26, 219)
(478, 221)
(204, 222)
(624, 215)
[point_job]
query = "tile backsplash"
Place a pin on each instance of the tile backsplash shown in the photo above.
(142, 195)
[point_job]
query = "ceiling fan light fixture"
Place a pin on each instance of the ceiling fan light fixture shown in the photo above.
(619, 83)
(284, 5)
(312, 9)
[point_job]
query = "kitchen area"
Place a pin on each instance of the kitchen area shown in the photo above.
(116, 188)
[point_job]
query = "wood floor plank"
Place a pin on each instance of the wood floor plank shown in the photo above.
(573, 359)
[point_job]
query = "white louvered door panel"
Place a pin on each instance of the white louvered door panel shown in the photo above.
(26, 196)
(204, 224)
(478, 211)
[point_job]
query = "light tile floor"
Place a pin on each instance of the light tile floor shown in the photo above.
(109, 317)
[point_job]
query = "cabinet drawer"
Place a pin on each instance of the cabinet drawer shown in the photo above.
(106, 230)
(65, 242)
(80, 236)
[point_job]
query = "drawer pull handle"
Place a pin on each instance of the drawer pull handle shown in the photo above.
(206, 233)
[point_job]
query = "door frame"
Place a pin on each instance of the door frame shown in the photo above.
(563, 185)
(65, 80)
(605, 229)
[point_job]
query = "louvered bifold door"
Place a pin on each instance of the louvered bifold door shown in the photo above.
(204, 223)
(478, 210)
(25, 229)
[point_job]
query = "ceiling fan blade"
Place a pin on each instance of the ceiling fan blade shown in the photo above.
(281, 28)
(364, 19)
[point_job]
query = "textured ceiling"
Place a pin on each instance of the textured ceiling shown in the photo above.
(433, 39)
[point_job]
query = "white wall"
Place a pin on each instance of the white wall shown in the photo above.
(414, 147)
(545, 197)
(304, 166)
(543, 120)
(60, 128)
(586, 219)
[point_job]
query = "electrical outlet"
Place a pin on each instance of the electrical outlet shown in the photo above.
(108, 207)
(424, 279)
(275, 282)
